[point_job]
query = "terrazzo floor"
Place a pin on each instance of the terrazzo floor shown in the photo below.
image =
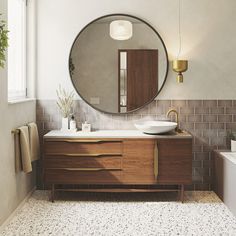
(140, 214)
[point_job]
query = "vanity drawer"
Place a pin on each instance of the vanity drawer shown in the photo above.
(83, 162)
(78, 146)
(86, 176)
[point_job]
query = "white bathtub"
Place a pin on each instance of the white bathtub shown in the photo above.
(231, 156)
(225, 178)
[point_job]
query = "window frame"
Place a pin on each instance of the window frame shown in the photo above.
(20, 93)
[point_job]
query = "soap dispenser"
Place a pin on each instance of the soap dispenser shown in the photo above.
(86, 127)
(73, 124)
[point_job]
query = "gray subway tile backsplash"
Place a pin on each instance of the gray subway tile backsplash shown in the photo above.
(179, 103)
(207, 120)
(186, 110)
(230, 110)
(217, 110)
(202, 110)
(195, 103)
(225, 118)
(225, 103)
(231, 126)
(210, 103)
(202, 125)
(194, 118)
(210, 118)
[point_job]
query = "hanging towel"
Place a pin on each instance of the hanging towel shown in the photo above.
(34, 141)
(25, 149)
(18, 165)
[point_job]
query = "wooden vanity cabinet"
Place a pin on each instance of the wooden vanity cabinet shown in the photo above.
(117, 162)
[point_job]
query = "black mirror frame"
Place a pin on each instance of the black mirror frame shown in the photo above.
(166, 54)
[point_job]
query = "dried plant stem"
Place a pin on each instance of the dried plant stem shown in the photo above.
(65, 101)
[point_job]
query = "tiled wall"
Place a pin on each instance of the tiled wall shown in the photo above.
(207, 120)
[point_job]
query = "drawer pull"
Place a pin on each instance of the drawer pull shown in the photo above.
(87, 169)
(83, 141)
(84, 155)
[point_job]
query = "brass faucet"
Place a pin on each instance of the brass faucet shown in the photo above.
(177, 129)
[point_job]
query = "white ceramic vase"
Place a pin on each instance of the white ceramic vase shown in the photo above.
(64, 124)
(233, 146)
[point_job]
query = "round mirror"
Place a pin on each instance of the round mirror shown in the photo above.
(118, 63)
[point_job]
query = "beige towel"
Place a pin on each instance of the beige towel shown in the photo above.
(34, 141)
(18, 164)
(25, 149)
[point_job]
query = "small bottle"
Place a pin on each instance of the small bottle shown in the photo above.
(72, 123)
(86, 127)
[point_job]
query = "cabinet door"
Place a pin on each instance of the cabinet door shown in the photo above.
(138, 162)
(175, 161)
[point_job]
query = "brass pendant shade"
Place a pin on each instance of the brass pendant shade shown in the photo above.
(180, 66)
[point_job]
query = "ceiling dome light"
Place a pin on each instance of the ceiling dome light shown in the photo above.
(121, 29)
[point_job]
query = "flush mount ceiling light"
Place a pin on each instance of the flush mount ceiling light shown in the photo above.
(121, 29)
(178, 65)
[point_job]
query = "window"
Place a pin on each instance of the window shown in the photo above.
(17, 84)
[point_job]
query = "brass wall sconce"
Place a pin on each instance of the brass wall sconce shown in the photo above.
(180, 66)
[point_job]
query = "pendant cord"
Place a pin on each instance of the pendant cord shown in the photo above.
(180, 36)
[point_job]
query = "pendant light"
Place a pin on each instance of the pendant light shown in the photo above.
(121, 29)
(178, 65)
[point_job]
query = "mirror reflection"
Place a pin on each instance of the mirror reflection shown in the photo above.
(118, 64)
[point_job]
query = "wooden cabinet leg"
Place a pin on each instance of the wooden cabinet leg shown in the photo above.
(182, 193)
(52, 192)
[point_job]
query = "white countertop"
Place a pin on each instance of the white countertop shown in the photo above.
(112, 134)
(231, 156)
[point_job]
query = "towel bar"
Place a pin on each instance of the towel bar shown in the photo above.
(15, 131)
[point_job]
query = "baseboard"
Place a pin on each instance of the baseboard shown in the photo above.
(17, 209)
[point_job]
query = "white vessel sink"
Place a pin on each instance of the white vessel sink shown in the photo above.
(155, 127)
